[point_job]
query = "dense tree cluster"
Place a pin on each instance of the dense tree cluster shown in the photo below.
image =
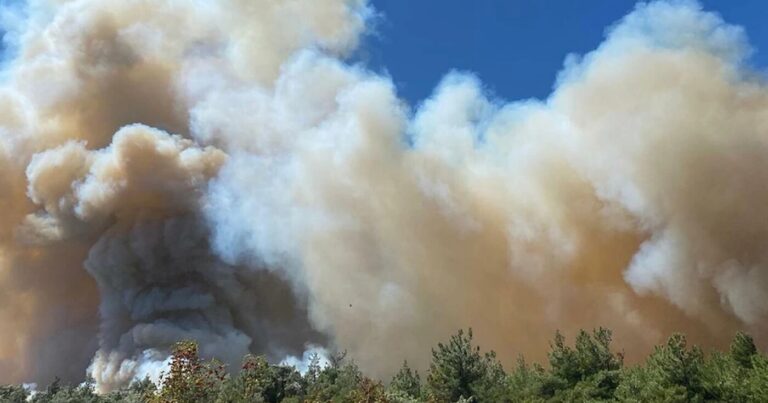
(587, 371)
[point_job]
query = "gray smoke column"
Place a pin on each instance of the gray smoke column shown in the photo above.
(216, 170)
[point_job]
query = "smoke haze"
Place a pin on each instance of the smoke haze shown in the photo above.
(217, 170)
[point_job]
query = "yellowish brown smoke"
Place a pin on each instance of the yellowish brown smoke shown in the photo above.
(214, 170)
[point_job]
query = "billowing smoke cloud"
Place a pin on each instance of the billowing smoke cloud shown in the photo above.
(215, 170)
(104, 249)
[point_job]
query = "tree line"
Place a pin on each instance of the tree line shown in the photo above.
(587, 370)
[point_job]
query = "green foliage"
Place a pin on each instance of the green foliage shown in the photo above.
(138, 391)
(638, 385)
(249, 386)
(286, 382)
(673, 373)
(313, 370)
(13, 394)
(525, 383)
(406, 382)
(458, 370)
(58, 393)
(743, 349)
(587, 371)
(491, 387)
(337, 382)
(757, 389)
(725, 379)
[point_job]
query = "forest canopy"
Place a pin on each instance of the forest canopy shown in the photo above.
(588, 369)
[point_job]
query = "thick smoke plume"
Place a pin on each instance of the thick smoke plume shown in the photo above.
(216, 170)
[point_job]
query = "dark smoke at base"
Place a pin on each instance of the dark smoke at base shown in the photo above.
(160, 284)
(301, 203)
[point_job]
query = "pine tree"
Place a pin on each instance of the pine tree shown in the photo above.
(590, 370)
(406, 382)
(743, 349)
(672, 373)
(458, 370)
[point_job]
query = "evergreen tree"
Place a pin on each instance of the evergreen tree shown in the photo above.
(743, 349)
(458, 370)
(283, 382)
(139, 391)
(313, 370)
(587, 371)
(590, 370)
(406, 382)
(724, 379)
(337, 382)
(249, 384)
(757, 388)
(525, 382)
(673, 373)
(492, 386)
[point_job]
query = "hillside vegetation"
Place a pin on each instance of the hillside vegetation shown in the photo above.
(587, 370)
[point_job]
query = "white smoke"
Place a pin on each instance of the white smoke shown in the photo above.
(216, 170)
(310, 354)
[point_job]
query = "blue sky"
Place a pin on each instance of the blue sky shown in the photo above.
(516, 47)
